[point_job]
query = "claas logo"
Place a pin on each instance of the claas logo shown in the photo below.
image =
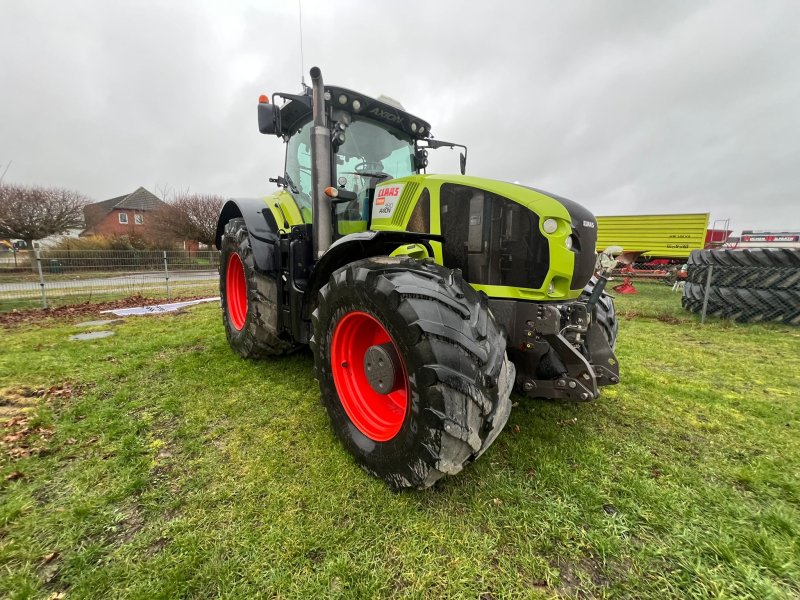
(385, 193)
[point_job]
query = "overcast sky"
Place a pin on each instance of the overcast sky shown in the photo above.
(626, 107)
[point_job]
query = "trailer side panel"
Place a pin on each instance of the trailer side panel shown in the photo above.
(657, 236)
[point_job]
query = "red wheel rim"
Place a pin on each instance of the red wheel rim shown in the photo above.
(378, 416)
(236, 292)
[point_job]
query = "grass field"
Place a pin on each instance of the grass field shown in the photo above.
(156, 464)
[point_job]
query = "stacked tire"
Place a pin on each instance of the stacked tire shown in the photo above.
(747, 286)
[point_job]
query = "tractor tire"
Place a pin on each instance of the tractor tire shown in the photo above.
(249, 299)
(744, 305)
(765, 268)
(447, 394)
(748, 257)
(776, 278)
(605, 313)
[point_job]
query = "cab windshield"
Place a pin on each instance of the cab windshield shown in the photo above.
(372, 153)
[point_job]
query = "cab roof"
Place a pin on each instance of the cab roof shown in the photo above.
(297, 111)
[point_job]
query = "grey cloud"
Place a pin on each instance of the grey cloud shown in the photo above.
(623, 106)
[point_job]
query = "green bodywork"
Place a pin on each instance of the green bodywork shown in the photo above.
(556, 284)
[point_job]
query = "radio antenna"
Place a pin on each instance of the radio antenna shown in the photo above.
(302, 61)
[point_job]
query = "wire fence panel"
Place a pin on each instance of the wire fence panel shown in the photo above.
(665, 272)
(82, 275)
(744, 286)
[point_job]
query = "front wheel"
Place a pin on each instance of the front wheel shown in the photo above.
(412, 368)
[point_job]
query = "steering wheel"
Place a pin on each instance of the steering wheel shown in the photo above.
(371, 169)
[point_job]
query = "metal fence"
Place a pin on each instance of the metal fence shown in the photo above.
(47, 276)
(744, 286)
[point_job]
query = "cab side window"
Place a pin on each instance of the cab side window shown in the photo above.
(298, 166)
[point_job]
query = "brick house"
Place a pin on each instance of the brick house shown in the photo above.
(132, 214)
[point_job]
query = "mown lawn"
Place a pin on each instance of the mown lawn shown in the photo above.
(156, 464)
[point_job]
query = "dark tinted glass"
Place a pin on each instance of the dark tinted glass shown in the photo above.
(493, 240)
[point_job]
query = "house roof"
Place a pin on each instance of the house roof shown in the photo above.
(141, 199)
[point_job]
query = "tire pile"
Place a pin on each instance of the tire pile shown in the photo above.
(747, 286)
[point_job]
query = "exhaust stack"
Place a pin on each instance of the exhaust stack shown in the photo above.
(320, 167)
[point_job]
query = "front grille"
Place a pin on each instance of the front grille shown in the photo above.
(493, 240)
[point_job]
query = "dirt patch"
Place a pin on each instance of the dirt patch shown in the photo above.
(131, 524)
(71, 311)
(19, 401)
(19, 436)
(21, 440)
(157, 546)
(570, 576)
(671, 319)
(632, 315)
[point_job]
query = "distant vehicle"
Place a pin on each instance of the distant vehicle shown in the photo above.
(7, 245)
(751, 238)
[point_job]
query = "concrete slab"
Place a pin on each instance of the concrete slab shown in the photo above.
(90, 335)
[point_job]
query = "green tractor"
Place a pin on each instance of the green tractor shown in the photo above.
(425, 299)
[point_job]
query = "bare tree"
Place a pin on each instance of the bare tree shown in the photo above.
(190, 217)
(33, 212)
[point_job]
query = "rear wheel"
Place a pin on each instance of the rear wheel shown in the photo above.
(249, 310)
(412, 368)
(605, 313)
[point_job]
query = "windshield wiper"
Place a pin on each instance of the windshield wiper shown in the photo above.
(375, 174)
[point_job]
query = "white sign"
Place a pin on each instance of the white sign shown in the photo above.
(386, 200)
(157, 308)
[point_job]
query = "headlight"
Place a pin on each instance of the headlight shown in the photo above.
(550, 225)
(568, 242)
(551, 289)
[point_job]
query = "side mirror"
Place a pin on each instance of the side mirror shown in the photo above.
(462, 158)
(269, 118)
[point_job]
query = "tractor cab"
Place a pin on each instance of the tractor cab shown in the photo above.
(371, 141)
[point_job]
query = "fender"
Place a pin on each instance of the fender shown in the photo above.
(261, 228)
(354, 247)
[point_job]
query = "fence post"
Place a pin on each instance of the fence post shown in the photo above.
(166, 272)
(41, 277)
(705, 294)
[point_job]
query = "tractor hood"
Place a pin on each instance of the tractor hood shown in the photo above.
(542, 250)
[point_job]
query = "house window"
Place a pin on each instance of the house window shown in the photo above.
(123, 218)
(138, 219)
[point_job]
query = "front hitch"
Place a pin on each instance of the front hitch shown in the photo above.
(558, 350)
